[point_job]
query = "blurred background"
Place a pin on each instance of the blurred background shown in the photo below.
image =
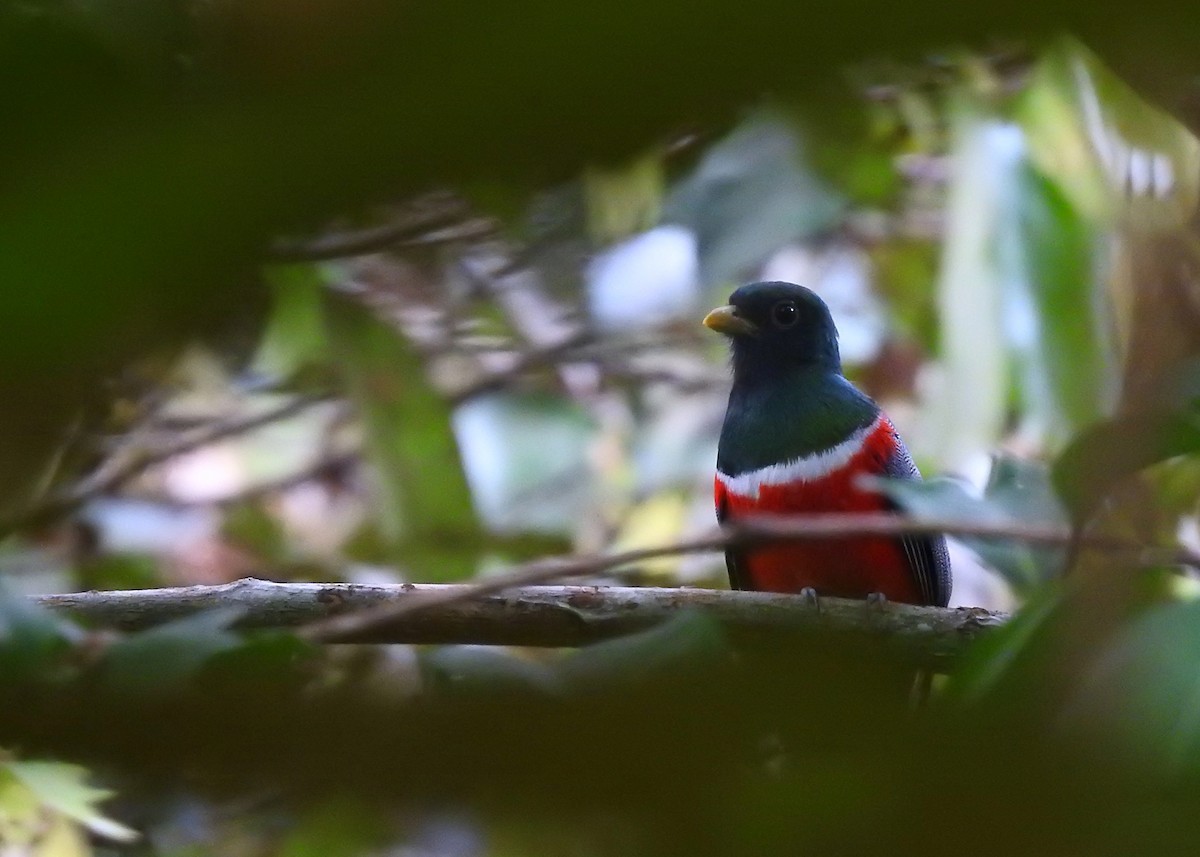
(382, 293)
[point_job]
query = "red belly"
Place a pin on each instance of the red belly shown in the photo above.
(848, 568)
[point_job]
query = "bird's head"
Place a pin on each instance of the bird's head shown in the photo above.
(777, 328)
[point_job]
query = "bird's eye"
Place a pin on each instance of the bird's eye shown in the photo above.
(785, 314)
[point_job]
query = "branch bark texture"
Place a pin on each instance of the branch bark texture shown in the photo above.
(531, 615)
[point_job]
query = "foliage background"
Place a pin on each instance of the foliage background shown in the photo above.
(433, 277)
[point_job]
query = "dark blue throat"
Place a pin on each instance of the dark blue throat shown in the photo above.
(786, 414)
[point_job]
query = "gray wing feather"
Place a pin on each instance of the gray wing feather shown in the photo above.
(926, 554)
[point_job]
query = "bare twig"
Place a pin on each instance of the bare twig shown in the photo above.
(109, 478)
(530, 616)
(757, 530)
(437, 214)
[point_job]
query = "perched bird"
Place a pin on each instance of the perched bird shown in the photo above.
(797, 439)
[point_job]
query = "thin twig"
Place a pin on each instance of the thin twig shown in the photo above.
(109, 479)
(433, 214)
(757, 530)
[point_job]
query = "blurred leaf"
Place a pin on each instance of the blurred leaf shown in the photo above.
(28, 829)
(1102, 456)
(689, 641)
(751, 194)
(295, 335)
(1112, 150)
(424, 506)
(906, 272)
(1144, 691)
(31, 639)
(262, 659)
(972, 403)
(163, 661)
(1074, 365)
(342, 827)
(63, 788)
(527, 458)
(1004, 665)
(252, 526)
(120, 571)
(657, 520)
(460, 670)
(1018, 492)
(624, 201)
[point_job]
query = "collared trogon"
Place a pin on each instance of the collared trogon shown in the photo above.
(797, 439)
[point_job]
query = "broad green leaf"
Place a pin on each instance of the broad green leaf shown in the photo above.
(751, 194)
(1099, 458)
(1144, 689)
(63, 788)
(1114, 153)
(1072, 365)
(163, 661)
(424, 506)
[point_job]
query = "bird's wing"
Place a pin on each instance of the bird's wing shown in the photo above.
(926, 554)
(734, 560)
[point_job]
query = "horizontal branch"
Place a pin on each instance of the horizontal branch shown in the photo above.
(757, 530)
(530, 615)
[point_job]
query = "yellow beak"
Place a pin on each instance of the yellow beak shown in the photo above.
(724, 319)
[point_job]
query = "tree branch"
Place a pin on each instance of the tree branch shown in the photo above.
(531, 615)
(758, 530)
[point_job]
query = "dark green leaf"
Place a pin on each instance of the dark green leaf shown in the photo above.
(1144, 689)
(484, 669)
(163, 661)
(1103, 455)
(1001, 665)
(31, 639)
(689, 641)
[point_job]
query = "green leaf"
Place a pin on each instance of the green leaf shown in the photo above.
(1072, 366)
(424, 506)
(484, 669)
(31, 639)
(63, 788)
(295, 335)
(1099, 458)
(1144, 689)
(1018, 492)
(1095, 134)
(751, 194)
(163, 661)
(688, 641)
(1003, 662)
(341, 827)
